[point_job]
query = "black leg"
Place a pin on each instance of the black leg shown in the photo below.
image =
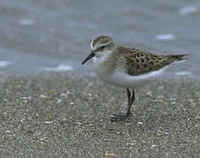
(131, 99)
(128, 95)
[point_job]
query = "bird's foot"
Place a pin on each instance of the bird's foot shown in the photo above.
(120, 117)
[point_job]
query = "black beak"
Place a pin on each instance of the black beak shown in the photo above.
(91, 55)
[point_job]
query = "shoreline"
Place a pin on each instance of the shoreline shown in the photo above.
(62, 115)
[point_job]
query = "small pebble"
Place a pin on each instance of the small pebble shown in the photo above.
(43, 96)
(140, 123)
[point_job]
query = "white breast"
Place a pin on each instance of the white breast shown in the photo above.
(122, 79)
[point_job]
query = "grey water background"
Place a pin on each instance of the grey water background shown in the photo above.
(54, 35)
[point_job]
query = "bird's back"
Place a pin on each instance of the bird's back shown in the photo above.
(139, 62)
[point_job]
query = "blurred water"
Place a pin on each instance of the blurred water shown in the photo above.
(49, 35)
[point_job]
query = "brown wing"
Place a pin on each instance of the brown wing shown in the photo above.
(140, 62)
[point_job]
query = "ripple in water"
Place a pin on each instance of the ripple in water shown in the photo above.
(58, 68)
(4, 63)
(166, 37)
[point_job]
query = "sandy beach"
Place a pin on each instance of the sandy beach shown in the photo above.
(62, 115)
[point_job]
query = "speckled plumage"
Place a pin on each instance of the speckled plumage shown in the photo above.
(140, 62)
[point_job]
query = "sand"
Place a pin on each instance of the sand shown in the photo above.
(62, 115)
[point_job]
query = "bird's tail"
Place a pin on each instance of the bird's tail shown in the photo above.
(179, 57)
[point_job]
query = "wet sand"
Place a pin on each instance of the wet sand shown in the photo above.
(57, 115)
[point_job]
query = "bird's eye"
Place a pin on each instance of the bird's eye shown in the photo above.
(102, 47)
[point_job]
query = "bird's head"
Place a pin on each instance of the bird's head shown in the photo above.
(100, 47)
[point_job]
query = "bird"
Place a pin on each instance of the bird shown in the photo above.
(126, 67)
